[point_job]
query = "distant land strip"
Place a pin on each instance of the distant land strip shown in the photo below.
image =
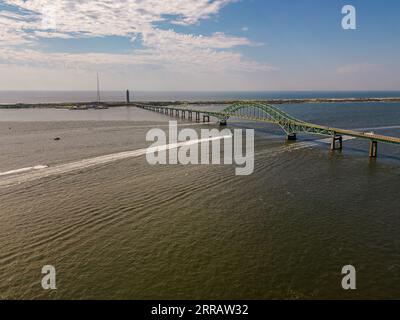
(66, 105)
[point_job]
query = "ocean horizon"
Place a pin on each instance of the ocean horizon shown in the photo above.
(14, 97)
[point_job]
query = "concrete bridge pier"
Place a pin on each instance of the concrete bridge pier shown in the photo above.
(197, 117)
(373, 149)
(335, 140)
(292, 137)
(184, 114)
(206, 118)
(190, 115)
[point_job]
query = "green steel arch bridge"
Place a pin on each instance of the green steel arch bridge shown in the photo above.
(263, 112)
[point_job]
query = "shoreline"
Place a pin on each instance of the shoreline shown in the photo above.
(110, 104)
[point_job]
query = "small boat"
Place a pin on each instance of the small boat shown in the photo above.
(77, 108)
(93, 106)
(100, 107)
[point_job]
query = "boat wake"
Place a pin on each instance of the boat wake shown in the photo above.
(24, 175)
(23, 170)
(29, 174)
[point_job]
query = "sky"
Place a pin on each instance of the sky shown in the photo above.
(198, 45)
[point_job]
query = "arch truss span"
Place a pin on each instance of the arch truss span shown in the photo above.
(264, 113)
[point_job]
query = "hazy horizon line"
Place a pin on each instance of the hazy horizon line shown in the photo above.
(205, 91)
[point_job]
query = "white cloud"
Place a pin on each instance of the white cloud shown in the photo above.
(163, 39)
(135, 19)
(115, 17)
(12, 29)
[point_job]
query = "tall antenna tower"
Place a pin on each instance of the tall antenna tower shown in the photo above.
(98, 88)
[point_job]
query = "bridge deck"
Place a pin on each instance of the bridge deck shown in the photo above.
(367, 135)
(286, 120)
